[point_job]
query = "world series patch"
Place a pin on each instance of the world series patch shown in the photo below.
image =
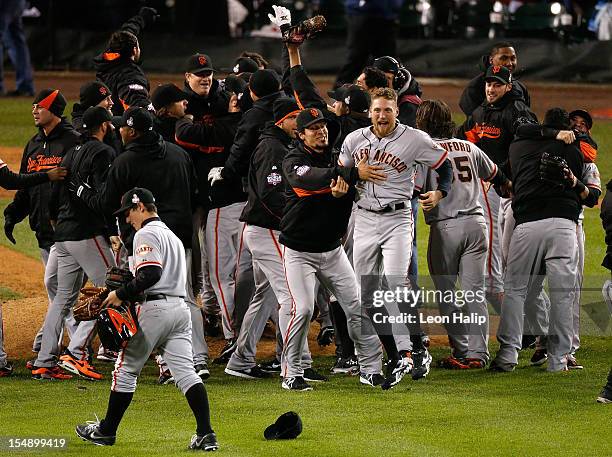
(274, 179)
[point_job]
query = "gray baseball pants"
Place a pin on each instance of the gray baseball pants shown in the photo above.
(458, 249)
(334, 271)
(491, 202)
(539, 249)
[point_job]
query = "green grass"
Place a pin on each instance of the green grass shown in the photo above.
(8, 294)
(26, 241)
(528, 412)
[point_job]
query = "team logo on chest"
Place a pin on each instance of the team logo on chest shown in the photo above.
(274, 178)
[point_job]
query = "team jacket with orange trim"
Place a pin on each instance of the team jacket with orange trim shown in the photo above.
(41, 154)
(74, 219)
(208, 145)
(606, 220)
(127, 82)
(314, 220)
(207, 109)
(492, 126)
(587, 144)
(13, 181)
(245, 142)
(535, 199)
(266, 186)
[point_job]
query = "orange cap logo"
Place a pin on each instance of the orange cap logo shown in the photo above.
(103, 90)
(314, 112)
(496, 69)
(202, 60)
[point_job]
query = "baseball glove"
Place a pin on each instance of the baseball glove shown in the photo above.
(554, 170)
(89, 305)
(117, 277)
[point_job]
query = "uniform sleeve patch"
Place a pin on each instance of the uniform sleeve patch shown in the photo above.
(301, 171)
(143, 250)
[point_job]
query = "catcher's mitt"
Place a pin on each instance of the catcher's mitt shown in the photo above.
(89, 305)
(117, 277)
(554, 170)
(299, 33)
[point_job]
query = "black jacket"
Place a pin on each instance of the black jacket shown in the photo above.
(606, 220)
(74, 219)
(209, 145)
(314, 220)
(112, 138)
(206, 109)
(127, 82)
(13, 181)
(247, 134)
(492, 127)
(474, 94)
(40, 154)
(408, 103)
(163, 168)
(535, 199)
(266, 185)
(166, 127)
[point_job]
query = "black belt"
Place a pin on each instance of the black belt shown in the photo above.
(160, 297)
(389, 208)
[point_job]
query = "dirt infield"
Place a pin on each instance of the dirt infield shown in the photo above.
(23, 317)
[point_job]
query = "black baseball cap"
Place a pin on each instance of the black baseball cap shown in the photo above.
(244, 64)
(308, 117)
(352, 96)
(387, 64)
(166, 94)
(138, 118)
(93, 92)
(199, 63)
(498, 73)
(583, 114)
(132, 197)
(287, 427)
(94, 116)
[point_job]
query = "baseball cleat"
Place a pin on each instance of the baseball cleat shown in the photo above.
(91, 432)
(30, 364)
(495, 366)
(202, 371)
(371, 379)
(539, 357)
(396, 370)
(348, 365)
(573, 364)
(325, 336)
(425, 340)
(474, 363)
(107, 356)
(422, 361)
(271, 366)
(226, 352)
(49, 373)
(165, 378)
(452, 363)
(205, 443)
(605, 396)
(296, 383)
(311, 375)
(79, 367)
(249, 373)
(6, 370)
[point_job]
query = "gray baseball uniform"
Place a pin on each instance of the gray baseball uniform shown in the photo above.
(458, 243)
(163, 323)
(382, 239)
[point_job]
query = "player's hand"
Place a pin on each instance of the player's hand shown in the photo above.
(188, 116)
(9, 226)
(214, 175)
(57, 174)
(567, 136)
(371, 173)
(339, 188)
(233, 104)
(281, 16)
(570, 179)
(112, 299)
(429, 200)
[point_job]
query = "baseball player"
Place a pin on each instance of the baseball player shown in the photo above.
(383, 222)
(492, 126)
(81, 246)
(503, 55)
(13, 181)
(119, 65)
(457, 236)
(43, 152)
(544, 240)
(318, 206)
(372, 78)
(164, 323)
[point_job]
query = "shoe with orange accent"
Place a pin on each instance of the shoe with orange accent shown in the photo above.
(451, 363)
(49, 373)
(474, 363)
(81, 368)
